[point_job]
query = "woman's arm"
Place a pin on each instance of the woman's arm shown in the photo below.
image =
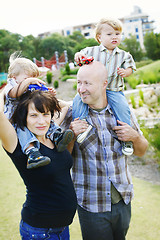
(8, 134)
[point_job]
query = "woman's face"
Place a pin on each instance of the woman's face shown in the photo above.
(38, 123)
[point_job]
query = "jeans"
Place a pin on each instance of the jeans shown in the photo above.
(30, 233)
(105, 225)
(26, 137)
(116, 100)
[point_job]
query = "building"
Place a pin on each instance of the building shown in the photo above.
(136, 24)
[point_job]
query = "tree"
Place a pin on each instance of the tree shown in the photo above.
(49, 45)
(132, 45)
(152, 45)
(85, 43)
(9, 43)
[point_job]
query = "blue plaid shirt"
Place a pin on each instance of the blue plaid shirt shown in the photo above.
(98, 161)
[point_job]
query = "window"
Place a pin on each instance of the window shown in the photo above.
(68, 32)
(136, 29)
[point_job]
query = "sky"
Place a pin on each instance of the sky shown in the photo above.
(35, 17)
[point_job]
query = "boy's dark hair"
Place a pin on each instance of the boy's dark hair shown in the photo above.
(43, 101)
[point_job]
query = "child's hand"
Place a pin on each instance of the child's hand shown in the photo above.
(33, 80)
(52, 90)
(124, 72)
(121, 72)
(78, 57)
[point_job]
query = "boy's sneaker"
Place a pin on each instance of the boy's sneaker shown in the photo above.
(82, 136)
(127, 148)
(35, 159)
(62, 140)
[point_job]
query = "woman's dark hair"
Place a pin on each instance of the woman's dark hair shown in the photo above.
(43, 101)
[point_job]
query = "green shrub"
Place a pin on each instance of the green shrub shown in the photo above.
(49, 77)
(143, 63)
(75, 86)
(74, 71)
(133, 81)
(141, 94)
(67, 77)
(67, 68)
(140, 103)
(56, 84)
(133, 101)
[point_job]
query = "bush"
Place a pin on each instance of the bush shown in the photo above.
(141, 95)
(49, 77)
(133, 101)
(140, 103)
(75, 86)
(67, 68)
(56, 84)
(133, 81)
(67, 77)
(143, 63)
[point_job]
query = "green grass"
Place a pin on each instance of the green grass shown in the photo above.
(149, 73)
(145, 223)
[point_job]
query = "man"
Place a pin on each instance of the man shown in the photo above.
(100, 171)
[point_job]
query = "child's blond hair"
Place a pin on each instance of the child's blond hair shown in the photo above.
(20, 64)
(114, 23)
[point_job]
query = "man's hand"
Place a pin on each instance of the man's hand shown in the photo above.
(125, 132)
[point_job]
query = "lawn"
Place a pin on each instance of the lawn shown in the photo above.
(145, 223)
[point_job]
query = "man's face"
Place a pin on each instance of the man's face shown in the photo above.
(90, 87)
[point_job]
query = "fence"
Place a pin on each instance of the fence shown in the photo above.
(54, 61)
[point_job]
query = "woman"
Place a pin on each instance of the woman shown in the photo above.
(50, 200)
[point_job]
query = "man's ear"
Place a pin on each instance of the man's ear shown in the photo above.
(99, 38)
(105, 83)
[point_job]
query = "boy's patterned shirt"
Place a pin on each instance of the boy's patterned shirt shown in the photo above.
(98, 161)
(117, 59)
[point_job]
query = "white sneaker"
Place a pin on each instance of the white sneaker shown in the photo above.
(127, 148)
(83, 135)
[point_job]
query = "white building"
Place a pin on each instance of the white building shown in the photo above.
(137, 24)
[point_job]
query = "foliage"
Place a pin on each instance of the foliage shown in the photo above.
(140, 104)
(67, 69)
(85, 43)
(50, 44)
(67, 77)
(133, 101)
(133, 46)
(49, 76)
(153, 137)
(143, 63)
(141, 94)
(152, 45)
(75, 86)
(56, 84)
(148, 74)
